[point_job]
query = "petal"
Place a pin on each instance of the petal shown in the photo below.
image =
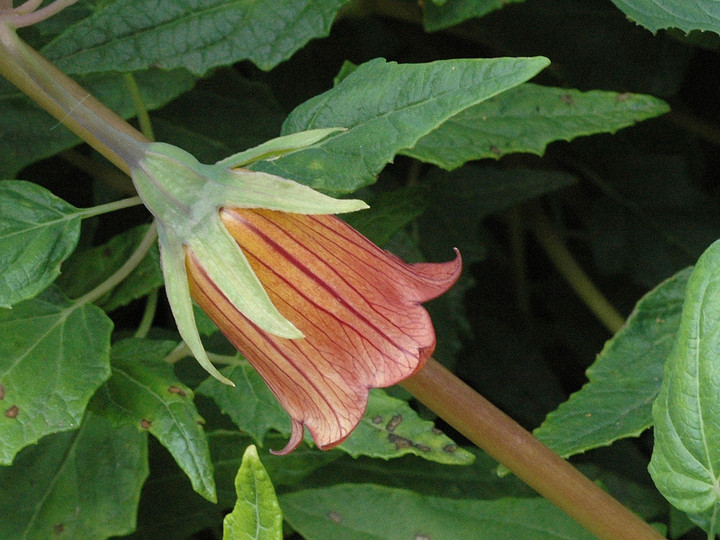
(357, 305)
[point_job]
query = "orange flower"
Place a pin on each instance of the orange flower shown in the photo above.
(357, 306)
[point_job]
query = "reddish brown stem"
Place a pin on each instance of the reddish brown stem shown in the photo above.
(529, 459)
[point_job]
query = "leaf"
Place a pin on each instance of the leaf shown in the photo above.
(250, 404)
(387, 107)
(28, 134)
(685, 463)
(390, 428)
(53, 356)
(89, 268)
(365, 511)
(625, 379)
(80, 484)
(440, 15)
(38, 231)
(687, 16)
(144, 392)
(129, 35)
(256, 515)
(526, 119)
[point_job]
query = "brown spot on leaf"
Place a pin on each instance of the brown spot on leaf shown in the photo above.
(107, 252)
(175, 390)
(450, 448)
(145, 424)
(377, 419)
(12, 412)
(495, 150)
(567, 99)
(399, 442)
(2, 391)
(59, 529)
(334, 517)
(623, 96)
(437, 431)
(394, 422)
(422, 447)
(421, 537)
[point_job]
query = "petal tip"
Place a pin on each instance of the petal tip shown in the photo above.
(296, 438)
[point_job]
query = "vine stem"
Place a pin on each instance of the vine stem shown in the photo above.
(568, 267)
(529, 459)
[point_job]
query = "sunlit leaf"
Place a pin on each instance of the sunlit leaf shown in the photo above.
(685, 15)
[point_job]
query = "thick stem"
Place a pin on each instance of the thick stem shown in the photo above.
(67, 101)
(529, 459)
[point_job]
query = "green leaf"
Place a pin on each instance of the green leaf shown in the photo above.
(658, 14)
(367, 511)
(439, 15)
(390, 428)
(256, 515)
(53, 356)
(625, 379)
(87, 269)
(129, 35)
(250, 403)
(527, 118)
(38, 231)
(28, 134)
(685, 462)
(387, 107)
(144, 392)
(81, 484)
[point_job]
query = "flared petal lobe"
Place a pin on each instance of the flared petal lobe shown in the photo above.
(357, 306)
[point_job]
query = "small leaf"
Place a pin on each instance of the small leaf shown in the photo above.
(256, 515)
(87, 269)
(144, 392)
(81, 484)
(390, 428)
(53, 357)
(387, 107)
(687, 16)
(685, 462)
(37, 232)
(250, 404)
(624, 380)
(129, 35)
(527, 119)
(440, 15)
(365, 511)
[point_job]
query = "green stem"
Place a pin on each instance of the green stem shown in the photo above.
(140, 108)
(124, 271)
(109, 207)
(68, 102)
(529, 459)
(568, 267)
(148, 315)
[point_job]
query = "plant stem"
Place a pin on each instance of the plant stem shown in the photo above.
(529, 459)
(148, 315)
(568, 267)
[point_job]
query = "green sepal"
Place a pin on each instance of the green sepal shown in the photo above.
(279, 146)
(228, 268)
(172, 253)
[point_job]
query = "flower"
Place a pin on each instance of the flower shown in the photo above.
(357, 306)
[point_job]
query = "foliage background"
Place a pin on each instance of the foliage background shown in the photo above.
(634, 206)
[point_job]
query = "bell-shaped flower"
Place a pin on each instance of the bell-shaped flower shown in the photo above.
(321, 312)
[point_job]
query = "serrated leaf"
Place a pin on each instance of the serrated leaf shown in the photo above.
(250, 404)
(387, 107)
(365, 511)
(144, 392)
(625, 379)
(81, 484)
(527, 119)
(439, 15)
(256, 515)
(87, 269)
(685, 463)
(28, 134)
(38, 231)
(130, 35)
(390, 428)
(53, 357)
(687, 16)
